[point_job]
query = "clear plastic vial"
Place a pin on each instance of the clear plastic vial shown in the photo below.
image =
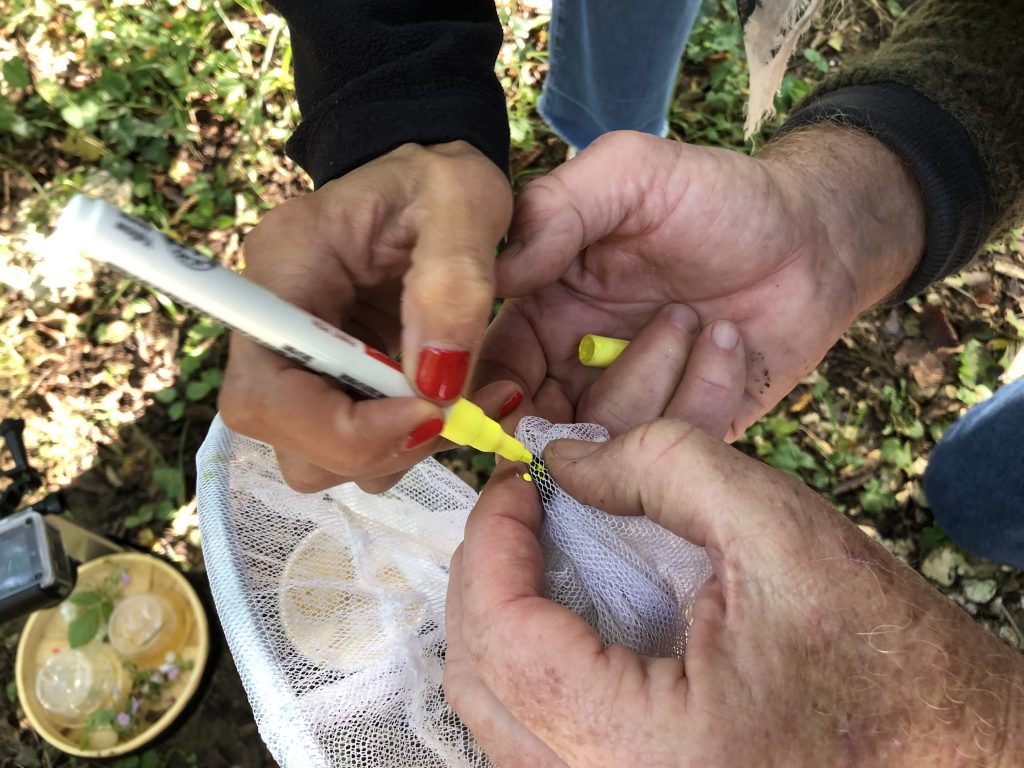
(144, 627)
(75, 683)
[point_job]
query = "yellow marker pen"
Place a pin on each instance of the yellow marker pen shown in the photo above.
(467, 424)
(104, 233)
(600, 351)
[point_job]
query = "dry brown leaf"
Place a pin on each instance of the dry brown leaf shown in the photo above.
(937, 329)
(802, 402)
(910, 352)
(929, 372)
(1008, 268)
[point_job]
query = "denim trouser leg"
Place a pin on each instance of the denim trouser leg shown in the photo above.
(613, 65)
(975, 478)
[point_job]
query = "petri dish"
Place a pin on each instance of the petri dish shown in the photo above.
(337, 620)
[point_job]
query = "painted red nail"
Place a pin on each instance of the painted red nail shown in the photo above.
(425, 432)
(441, 373)
(510, 405)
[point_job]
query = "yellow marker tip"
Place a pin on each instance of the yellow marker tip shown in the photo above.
(467, 424)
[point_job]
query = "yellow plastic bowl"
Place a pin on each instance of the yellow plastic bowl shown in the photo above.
(46, 632)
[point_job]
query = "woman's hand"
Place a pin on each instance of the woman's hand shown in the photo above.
(400, 253)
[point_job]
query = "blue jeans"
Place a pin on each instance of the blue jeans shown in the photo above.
(612, 65)
(975, 478)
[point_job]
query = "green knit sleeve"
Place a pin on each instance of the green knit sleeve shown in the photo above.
(967, 56)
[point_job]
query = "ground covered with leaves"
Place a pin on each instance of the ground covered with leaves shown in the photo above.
(178, 112)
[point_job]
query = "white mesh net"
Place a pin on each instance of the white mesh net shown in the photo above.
(631, 579)
(333, 604)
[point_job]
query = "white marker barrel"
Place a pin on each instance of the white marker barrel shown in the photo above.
(102, 232)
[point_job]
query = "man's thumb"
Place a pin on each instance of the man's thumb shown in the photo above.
(683, 479)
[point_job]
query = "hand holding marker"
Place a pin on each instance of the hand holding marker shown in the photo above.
(102, 232)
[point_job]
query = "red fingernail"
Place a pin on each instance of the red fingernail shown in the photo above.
(510, 405)
(425, 432)
(441, 373)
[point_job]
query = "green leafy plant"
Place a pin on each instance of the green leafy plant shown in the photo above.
(148, 759)
(775, 440)
(483, 465)
(195, 381)
(518, 62)
(93, 608)
(978, 373)
(876, 496)
(902, 411)
(933, 537)
(711, 97)
(170, 484)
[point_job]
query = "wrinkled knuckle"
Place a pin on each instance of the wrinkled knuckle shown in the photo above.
(442, 171)
(647, 433)
(540, 191)
(610, 413)
(714, 389)
(410, 151)
(476, 179)
(477, 633)
(674, 430)
(662, 435)
(464, 295)
(604, 141)
(622, 141)
(456, 148)
(463, 147)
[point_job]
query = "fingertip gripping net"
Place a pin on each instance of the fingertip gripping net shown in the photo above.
(333, 604)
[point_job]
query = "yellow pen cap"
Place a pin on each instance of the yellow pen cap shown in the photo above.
(467, 424)
(600, 351)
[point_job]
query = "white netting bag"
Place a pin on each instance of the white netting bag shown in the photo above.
(631, 579)
(333, 604)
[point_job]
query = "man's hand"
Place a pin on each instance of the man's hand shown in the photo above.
(400, 253)
(789, 247)
(810, 646)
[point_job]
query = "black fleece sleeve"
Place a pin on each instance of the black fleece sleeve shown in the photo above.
(371, 75)
(947, 95)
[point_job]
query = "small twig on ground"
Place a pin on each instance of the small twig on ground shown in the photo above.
(1009, 617)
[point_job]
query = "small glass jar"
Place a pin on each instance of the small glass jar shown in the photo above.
(74, 683)
(144, 628)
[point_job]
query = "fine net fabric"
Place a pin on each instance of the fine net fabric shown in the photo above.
(631, 579)
(333, 604)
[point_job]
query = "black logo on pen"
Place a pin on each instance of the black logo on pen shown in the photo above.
(189, 258)
(133, 230)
